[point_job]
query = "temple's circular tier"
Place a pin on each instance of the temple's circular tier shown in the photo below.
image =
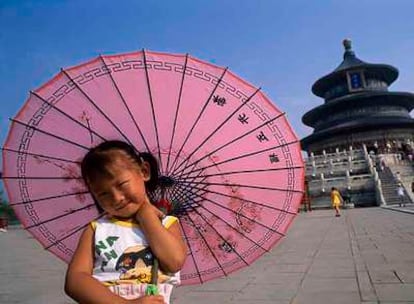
(358, 108)
(378, 103)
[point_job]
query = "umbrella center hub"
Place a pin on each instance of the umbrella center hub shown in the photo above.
(166, 181)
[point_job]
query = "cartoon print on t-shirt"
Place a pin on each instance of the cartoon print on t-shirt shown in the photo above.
(135, 264)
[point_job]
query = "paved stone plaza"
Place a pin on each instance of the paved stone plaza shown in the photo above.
(364, 256)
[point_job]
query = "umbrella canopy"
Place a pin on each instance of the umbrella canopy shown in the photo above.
(230, 164)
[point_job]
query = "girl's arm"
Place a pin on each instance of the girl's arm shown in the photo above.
(80, 284)
(84, 288)
(167, 244)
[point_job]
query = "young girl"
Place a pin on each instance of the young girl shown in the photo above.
(112, 263)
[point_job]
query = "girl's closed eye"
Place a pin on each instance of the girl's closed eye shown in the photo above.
(102, 195)
(123, 184)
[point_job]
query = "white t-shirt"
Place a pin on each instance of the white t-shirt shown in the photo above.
(122, 255)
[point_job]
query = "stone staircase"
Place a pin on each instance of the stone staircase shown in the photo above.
(389, 181)
(347, 170)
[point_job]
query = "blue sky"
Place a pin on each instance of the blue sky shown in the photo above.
(281, 46)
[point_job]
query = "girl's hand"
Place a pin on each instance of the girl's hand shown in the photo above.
(158, 299)
(148, 209)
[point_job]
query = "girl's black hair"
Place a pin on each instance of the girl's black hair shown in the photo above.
(94, 164)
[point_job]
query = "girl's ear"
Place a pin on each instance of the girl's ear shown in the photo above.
(146, 171)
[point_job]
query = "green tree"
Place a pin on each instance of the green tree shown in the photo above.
(6, 210)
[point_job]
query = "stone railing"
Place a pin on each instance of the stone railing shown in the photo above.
(362, 181)
(336, 167)
(371, 160)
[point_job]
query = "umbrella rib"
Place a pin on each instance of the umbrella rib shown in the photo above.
(49, 134)
(243, 156)
(187, 175)
(152, 107)
(243, 199)
(73, 232)
(198, 118)
(60, 216)
(206, 243)
(247, 171)
(40, 155)
(95, 105)
(125, 104)
(238, 198)
(236, 139)
(218, 128)
(235, 229)
(233, 211)
(191, 251)
(187, 188)
(184, 190)
(218, 234)
(243, 186)
(47, 198)
(177, 194)
(66, 115)
(40, 177)
(235, 197)
(176, 114)
(183, 174)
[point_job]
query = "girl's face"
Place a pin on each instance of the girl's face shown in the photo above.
(122, 192)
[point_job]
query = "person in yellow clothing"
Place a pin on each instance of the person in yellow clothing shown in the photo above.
(336, 200)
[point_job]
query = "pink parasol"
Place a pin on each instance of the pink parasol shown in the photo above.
(230, 164)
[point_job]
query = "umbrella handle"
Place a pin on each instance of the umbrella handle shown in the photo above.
(152, 288)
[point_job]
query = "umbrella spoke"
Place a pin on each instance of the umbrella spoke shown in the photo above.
(73, 232)
(218, 128)
(218, 234)
(152, 108)
(60, 216)
(242, 186)
(189, 177)
(176, 113)
(41, 155)
(41, 177)
(245, 155)
(186, 174)
(244, 216)
(184, 193)
(43, 199)
(96, 107)
(233, 228)
(49, 134)
(198, 118)
(243, 171)
(191, 252)
(68, 116)
(235, 139)
(125, 104)
(202, 198)
(242, 199)
(189, 192)
(185, 199)
(206, 243)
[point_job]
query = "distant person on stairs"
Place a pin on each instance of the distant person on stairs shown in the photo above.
(400, 192)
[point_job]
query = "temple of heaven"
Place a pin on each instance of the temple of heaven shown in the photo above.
(359, 109)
